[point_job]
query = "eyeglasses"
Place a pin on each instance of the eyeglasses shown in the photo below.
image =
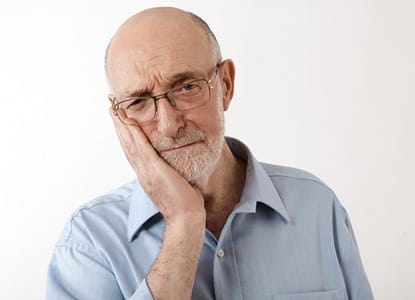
(189, 95)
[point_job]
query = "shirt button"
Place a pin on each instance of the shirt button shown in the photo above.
(221, 253)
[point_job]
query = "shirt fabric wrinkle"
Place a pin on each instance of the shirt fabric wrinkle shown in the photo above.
(288, 222)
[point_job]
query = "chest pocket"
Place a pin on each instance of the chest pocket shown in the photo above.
(326, 295)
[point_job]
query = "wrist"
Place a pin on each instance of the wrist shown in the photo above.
(187, 225)
(187, 218)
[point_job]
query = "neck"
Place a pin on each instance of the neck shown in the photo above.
(223, 190)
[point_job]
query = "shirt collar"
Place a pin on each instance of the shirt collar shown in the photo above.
(258, 186)
(258, 189)
(141, 210)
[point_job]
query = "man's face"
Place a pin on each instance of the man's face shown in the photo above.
(151, 61)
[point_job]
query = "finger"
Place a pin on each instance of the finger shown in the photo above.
(128, 143)
(133, 128)
(132, 136)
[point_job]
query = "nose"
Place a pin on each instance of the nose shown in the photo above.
(169, 120)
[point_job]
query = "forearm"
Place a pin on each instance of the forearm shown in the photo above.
(173, 272)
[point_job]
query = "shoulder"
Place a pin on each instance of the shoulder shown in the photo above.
(290, 173)
(291, 182)
(104, 215)
(307, 199)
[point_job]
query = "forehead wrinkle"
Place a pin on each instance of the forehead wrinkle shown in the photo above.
(169, 81)
(148, 64)
(158, 66)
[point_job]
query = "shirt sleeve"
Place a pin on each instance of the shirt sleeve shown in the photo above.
(357, 284)
(79, 273)
(142, 293)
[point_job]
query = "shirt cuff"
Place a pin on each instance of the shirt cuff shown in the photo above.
(142, 292)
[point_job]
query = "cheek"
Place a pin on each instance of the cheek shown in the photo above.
(150, 131)
(211, 120)
(208, 118)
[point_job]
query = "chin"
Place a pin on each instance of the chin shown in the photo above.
(195, 164)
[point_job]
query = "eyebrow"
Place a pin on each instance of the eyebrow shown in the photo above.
(171, 81)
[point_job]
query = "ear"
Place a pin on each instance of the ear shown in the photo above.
(227, 70)
(111, 98)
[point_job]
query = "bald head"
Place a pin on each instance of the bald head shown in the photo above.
(157, 23)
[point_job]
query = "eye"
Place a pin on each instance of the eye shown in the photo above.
(136, 104)
(188, 89)
(188, 86)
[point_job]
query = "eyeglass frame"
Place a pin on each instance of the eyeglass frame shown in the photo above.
(116, 105)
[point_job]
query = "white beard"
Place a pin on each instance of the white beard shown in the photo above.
(195, 162)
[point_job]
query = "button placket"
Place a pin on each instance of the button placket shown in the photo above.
(220, 253)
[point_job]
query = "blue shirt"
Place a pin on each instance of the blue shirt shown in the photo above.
(289, 238)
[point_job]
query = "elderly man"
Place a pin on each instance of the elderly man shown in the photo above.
(204, 219)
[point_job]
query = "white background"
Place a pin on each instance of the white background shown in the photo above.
(323, 85)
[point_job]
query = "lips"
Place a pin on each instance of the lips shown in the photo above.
(178, 147)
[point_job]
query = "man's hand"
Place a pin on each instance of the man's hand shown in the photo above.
(170, 192)
(182, 206)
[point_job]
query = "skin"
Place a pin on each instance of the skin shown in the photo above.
(144, 54)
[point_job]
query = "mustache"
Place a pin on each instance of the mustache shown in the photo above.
(185, 136)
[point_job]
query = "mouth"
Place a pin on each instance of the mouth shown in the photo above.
(180, 147)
